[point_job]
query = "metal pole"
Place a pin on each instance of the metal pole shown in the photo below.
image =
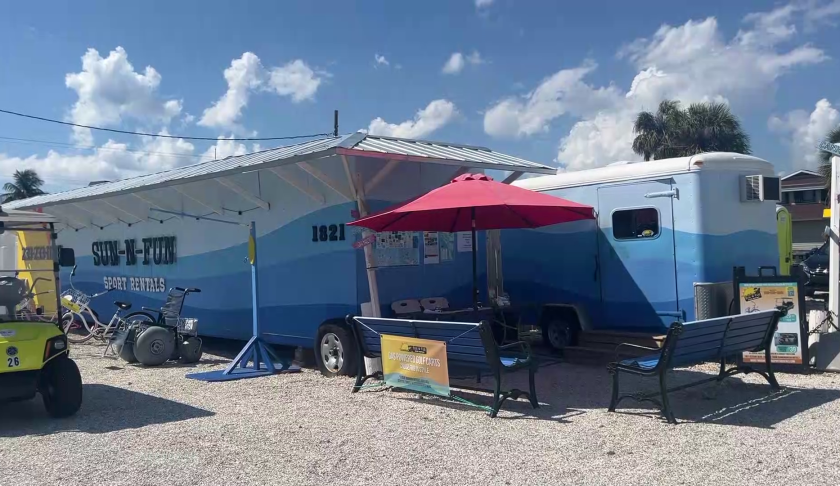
(474, 265)
(834, 249)
(255, 289)
(335, 123)
(56, 273)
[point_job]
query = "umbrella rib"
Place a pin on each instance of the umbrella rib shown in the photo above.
(523, 218)
(402, 215)
(455, 221)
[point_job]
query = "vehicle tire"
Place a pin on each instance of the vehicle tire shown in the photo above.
(154, 346)
(61, 387)
(126, 350)
(559, 333)
(75, 328)
(335, 351)
(190, 350)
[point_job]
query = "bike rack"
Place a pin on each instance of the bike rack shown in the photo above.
(256, 358)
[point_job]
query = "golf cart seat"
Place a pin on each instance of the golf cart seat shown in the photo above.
(122, 305)
(12, 292)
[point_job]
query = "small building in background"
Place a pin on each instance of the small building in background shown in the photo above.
(804, 195)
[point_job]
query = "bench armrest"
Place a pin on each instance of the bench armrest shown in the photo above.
(523, 346)
(634, 346)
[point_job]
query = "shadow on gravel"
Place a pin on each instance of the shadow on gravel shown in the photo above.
(733, 402)
(104, 409)
(566, 391)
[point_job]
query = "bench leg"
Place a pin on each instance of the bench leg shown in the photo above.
(532, 396)
(614, 399)
(497, 399)
(771, 378)
(666, 405)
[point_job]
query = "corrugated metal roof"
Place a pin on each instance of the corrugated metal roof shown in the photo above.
(447, 151)
(13, 216)
(416, 150)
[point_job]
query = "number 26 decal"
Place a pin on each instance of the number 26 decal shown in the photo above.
(333, 232)
(13, 362)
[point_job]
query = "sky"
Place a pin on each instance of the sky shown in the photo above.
(556, 82)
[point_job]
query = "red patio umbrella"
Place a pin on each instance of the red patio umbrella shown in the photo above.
(476, 202)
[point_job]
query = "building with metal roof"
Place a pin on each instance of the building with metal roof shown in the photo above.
(357, 145)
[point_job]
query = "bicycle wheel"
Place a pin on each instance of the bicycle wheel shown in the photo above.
(142, 319)
(75, 328)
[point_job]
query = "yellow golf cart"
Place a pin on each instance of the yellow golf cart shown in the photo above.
(34, 357)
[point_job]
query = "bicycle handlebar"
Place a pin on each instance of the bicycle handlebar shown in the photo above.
(100, 294)
(36, 281)
(189, 290)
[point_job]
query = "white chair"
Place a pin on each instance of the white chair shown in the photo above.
(434, 303)
(406, 307)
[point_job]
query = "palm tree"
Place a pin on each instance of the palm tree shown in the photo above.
(26, 184)
(673, 132)
(825, 157)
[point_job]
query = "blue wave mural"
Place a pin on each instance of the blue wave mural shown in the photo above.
(542, 267)
(302, 283)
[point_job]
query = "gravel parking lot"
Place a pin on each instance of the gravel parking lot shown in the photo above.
(152, 426)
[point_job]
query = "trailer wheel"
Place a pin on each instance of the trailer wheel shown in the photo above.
(559, 333)
(335, 351)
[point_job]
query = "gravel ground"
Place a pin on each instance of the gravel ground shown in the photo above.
(152, 426)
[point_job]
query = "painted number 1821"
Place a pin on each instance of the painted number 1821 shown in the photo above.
(333, 232)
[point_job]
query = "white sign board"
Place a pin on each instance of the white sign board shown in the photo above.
(464, 241)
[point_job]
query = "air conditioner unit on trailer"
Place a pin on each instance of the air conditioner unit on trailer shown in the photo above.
(760, 188)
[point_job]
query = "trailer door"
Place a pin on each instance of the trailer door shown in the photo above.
(636, 251)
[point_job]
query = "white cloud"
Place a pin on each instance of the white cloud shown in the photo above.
(437, 114)
(243, 76)
(455, 64)
(380, 60)
(562, 93)
(690, 63)
(479, 4)
(109, 161)
(803, 131)
(296, 80)
(247, 75)
(225, 147)
(475, 58)
(109, 90)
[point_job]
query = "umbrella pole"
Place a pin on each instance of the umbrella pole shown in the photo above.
(474, 266)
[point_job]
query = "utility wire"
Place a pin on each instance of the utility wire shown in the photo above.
(94, 147)
(126, 132)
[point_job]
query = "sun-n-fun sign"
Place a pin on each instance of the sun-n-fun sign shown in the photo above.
(160, 250)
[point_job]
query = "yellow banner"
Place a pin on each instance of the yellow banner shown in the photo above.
(415, 364)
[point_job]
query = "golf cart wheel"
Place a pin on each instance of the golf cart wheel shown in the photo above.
(335, 351)
(126, 349)
(61, 387)
(154, 346)
(559, 334)
(190, 350)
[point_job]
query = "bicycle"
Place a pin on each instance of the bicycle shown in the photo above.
(75, 324)
(26, 311)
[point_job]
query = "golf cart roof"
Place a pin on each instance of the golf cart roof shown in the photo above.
(11, 217)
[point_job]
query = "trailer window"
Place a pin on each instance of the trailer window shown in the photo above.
(632, 224)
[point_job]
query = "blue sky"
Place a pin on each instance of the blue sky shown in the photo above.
(555, 82)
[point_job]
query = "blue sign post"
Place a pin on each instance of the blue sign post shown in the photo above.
(256, 358)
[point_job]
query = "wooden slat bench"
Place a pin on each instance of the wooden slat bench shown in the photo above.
(697, 342)
(469, 346)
